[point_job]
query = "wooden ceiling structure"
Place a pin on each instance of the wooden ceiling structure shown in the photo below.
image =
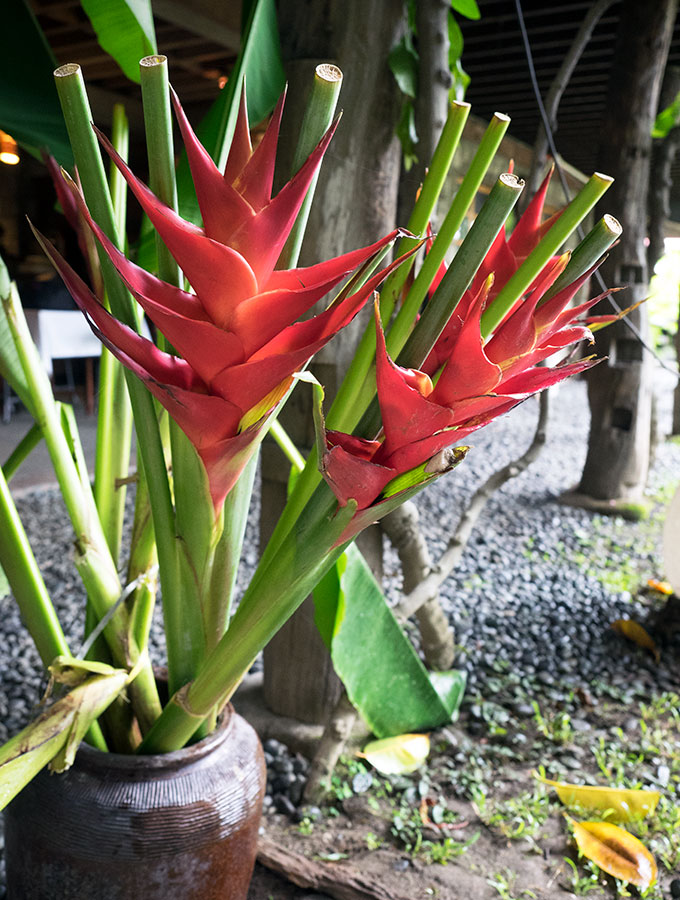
(201, 40)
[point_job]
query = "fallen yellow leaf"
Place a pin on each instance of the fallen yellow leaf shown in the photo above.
(618, 804)
(616, 852)
(397, 755)
(635, 632)
(663, 587)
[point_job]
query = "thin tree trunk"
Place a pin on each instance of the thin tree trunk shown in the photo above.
(620, 390)
(355, 203)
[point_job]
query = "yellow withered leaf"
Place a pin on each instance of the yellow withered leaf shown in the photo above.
(663, 587)
(397, 755)
(616, 804)
(635, 632)
(616, 852)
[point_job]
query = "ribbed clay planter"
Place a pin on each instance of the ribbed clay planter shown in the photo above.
(177, 826)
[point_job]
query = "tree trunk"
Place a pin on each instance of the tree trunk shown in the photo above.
(664, 151)
(432, 102)
(355, 204)
(619, 390)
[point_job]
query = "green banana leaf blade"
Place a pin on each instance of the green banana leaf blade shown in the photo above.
(382, 673)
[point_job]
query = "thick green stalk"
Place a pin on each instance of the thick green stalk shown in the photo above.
(520, 281)
(153, 71)
(77, 115)
(28, 443)
(26, 582)
(317, 120)
(462, 202)
(593, 246)
(143, 558)
(461, 271)
(196, 528)
(114, 415)
(345, 411)
(305, 555)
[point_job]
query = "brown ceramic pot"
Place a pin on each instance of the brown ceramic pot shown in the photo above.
(177, 826)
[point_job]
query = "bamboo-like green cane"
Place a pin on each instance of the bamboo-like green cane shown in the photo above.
(317, 120)
(76, 108)
(567, 223)
(346, 410)
(197, 531)
(22, 450)
(465, 264)
(114, 414)
(593, 246)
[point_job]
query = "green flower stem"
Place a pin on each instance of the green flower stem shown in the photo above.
(570, 219)
(290, 451)
(153, 72)
(317, 119)
(114, 414)
(346, 409)
(77, 115)
(462, 202)
(92, 557)
(594, 245)
(348, 405)
(28, 443)
(305, 555)
(26, 582)
(29, 591)
(196, 528)
(459, 275)
(143, 558)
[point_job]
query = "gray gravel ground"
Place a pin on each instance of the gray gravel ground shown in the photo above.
(536, 591)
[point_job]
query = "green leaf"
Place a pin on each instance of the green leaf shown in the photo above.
(124, 30)
(263, 66)
(406, 132)
(460, 78)
(381, 671)
(466, 8)
(29, 105)
(403, 62)
(667, 119)
(4, 585)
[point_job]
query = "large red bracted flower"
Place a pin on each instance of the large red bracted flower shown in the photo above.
(478, 382)
(238, 335)
(504, 257)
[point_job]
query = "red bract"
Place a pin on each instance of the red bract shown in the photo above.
(502, 261)
(238, 335)
(477, 383)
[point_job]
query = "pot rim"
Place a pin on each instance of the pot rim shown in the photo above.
(89, 758)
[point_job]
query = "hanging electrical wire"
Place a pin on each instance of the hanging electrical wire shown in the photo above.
(563, 181)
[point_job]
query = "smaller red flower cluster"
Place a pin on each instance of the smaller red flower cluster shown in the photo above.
(466, 381)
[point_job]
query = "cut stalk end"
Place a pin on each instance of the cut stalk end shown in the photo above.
(329, 72)
(67, 70)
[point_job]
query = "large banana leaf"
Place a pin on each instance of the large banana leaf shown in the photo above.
(381, 671)
(124, 30)
(29, 106)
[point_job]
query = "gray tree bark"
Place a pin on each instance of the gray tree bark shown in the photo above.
(620, 390)
(355, 204)
(664, 151)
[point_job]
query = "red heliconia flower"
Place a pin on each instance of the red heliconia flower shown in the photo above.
(478, 382)
(504, 257)
(238, 336)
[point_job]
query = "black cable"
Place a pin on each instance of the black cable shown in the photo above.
(553, 149)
